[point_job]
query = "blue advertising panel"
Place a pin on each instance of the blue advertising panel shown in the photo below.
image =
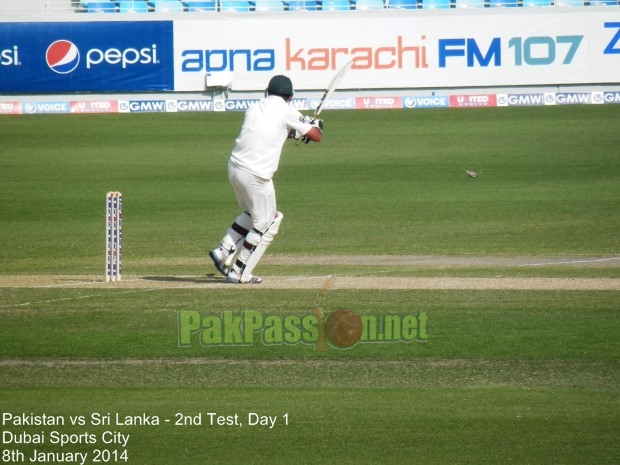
(86, 57)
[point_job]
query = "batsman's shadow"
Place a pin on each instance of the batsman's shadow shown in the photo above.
(208, 279)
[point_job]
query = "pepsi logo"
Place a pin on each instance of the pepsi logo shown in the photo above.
(62, 56)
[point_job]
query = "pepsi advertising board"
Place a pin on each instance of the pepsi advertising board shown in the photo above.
(86, 57)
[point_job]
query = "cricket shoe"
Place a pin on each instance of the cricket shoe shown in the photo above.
(220, 260)
(234, 278)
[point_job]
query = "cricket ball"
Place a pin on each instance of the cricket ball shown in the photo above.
(344, 328)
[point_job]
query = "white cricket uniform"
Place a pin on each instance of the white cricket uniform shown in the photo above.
(256, 156)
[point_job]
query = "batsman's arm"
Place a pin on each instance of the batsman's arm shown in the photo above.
(315, 134)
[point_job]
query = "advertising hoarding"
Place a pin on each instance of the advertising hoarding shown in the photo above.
(50, 57)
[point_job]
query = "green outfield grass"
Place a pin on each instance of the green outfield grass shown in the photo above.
(389, 182)
(504, 377)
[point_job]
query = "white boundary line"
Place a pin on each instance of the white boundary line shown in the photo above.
(130, 291)
(571, 262)
(65, 299)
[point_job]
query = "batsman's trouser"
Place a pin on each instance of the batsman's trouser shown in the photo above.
(255, 195)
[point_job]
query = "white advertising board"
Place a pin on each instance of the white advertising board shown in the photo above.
(401, 49)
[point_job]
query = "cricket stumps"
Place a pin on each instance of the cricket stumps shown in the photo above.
(114, 228)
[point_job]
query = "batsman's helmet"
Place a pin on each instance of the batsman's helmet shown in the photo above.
(280, 85)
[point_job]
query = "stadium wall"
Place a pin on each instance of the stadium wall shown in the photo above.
(222, 61)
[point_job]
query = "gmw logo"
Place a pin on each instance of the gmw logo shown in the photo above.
(63, 56)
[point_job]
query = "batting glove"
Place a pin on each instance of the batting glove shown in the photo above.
(317, 123)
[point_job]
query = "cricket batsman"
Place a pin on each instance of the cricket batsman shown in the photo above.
(252, 164)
